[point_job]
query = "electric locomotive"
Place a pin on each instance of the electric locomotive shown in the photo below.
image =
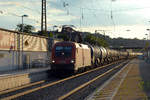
(70, 56)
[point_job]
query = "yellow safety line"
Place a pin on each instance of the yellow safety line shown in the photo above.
(47, 85)
(85, 84)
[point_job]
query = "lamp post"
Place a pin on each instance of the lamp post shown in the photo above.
(147, 41)
(146, 36)
(143, 41)
(22, 20)
(23, 35)
(149, 33)
(54, 30)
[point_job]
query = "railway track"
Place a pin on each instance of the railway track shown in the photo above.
(80, 92)
(70, 87)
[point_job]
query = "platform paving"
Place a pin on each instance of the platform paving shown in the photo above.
(130, 83)
(22, 71)
(12, 79)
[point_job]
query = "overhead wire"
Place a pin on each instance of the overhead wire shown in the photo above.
(22, 6)
(102, 10)
(94, 13)
(36, 10)
(92, 10)
(118, 10)
(112, 17)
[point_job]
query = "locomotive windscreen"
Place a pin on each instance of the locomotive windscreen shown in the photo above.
(63, 51)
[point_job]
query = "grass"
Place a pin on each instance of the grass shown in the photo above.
(145, 85)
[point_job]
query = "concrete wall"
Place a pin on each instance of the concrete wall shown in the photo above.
(35, 49)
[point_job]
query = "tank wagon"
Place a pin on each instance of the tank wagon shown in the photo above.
(71, 56)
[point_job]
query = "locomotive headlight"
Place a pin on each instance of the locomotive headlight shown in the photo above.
(72, 61)
(53, 61)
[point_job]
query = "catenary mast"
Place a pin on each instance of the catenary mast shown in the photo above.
(43, 17)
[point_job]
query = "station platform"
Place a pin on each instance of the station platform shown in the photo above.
(130, 83)
(16, 78)
(22, 71)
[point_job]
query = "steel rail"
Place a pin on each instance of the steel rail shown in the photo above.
(87, 83)
(56, 82)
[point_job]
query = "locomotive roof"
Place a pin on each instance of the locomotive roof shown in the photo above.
(77, 45)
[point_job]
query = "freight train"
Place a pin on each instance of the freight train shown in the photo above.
(73, 57)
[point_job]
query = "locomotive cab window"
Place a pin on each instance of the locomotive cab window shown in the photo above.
(63, 51)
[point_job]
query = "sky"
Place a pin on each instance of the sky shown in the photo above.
(118, 18)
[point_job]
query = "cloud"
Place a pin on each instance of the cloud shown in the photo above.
(65, 18)
(10, 3)
(131, 14)
(55, 11)
(136, 31)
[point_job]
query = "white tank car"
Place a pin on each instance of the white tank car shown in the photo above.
(103, 54)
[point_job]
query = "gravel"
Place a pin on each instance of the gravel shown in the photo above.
(55, 91)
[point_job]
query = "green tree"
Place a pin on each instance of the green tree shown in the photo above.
(26, 28)
(50, 34)
(47, 34)
(63, 36)
(91, 39)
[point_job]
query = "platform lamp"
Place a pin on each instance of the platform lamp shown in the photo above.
(149, 33)
(147, 41)
(146, 36)
(23, 34)
(55, 26)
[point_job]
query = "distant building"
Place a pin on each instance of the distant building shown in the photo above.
(69, 32)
